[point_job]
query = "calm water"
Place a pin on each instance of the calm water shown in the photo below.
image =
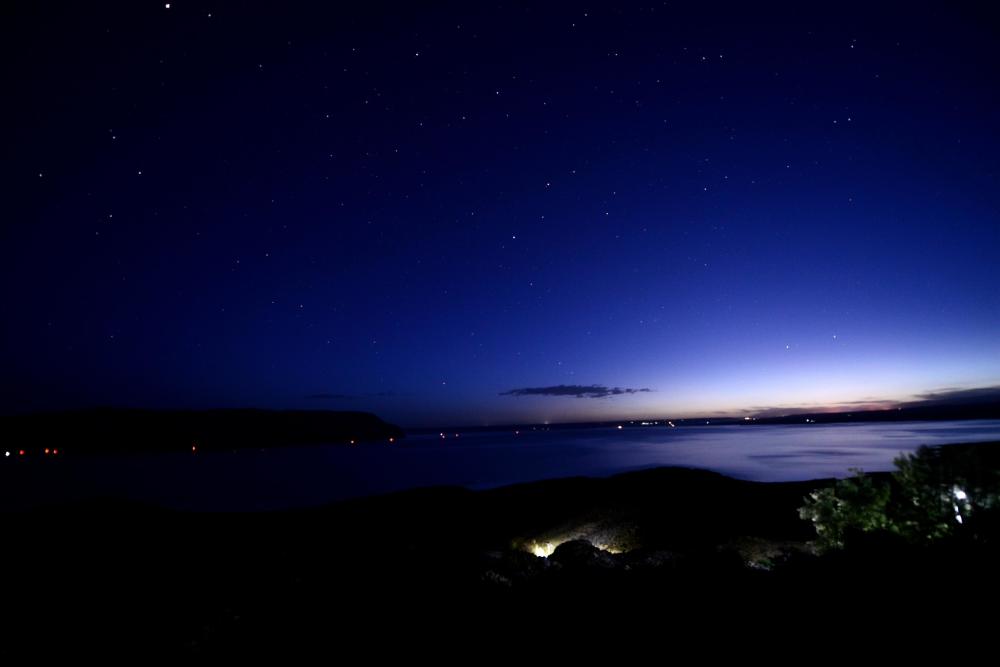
(300, 476)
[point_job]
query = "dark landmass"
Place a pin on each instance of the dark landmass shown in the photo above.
(675, 550)
(120, 430)
(131, 431)
(915, 413)
(934, 412)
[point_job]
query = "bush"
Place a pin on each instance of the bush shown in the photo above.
(931, 495)
(855, 503)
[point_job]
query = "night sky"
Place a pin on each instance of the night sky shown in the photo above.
(483, 213)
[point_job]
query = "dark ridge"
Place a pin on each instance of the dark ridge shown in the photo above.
(935, 412)
(990, 410)
(126, 430)
(423, 563)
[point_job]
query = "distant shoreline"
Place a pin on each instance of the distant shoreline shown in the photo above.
(127, 430)
(950, 412)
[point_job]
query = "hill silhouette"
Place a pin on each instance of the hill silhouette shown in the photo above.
(127, 430)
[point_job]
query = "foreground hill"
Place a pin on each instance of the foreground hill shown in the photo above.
(668, 547)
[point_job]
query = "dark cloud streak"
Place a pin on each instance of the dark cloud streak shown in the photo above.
(954, 395)
(937, 398)
(574, 390)
(324, 396)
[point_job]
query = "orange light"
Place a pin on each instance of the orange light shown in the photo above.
(46, 450)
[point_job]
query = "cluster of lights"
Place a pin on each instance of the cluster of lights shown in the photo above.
(23, 452)
(543, 550)
(546, 549)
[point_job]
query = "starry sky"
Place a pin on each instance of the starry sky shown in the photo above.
(474, 213)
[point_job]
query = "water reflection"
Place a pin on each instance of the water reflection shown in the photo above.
(299, 476)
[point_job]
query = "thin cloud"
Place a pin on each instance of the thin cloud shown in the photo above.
(954, 395)
(575, 390)
(940, 397)
(324, 396)
(765, 411)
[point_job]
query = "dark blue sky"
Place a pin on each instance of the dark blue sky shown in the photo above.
(420, 211)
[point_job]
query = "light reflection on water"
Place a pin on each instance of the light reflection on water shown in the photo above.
(301, 476)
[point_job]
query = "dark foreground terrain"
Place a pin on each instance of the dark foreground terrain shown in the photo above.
(672, 550)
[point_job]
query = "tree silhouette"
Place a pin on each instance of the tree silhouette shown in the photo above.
(933, 493)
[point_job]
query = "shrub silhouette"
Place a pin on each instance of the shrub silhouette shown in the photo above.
(855, 503)
(931, 495)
